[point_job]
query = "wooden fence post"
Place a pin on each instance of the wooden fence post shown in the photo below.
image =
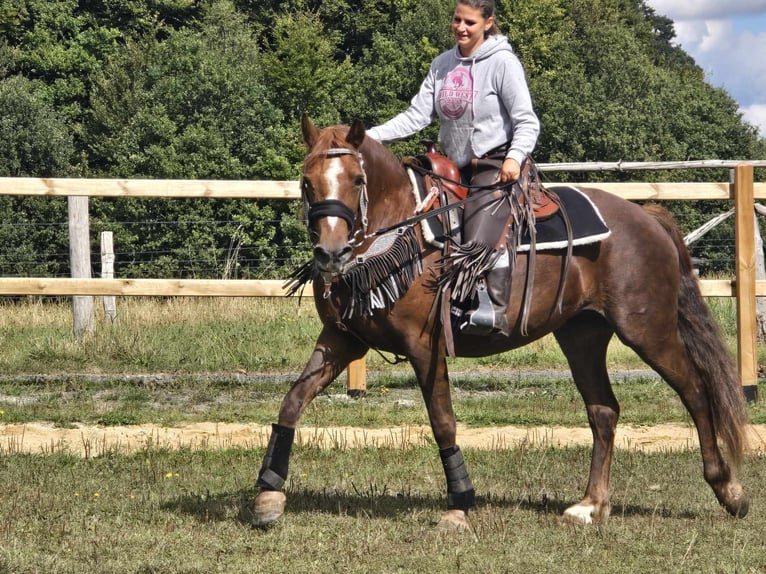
(747, 351)
(107, 272)
(79, 258)
(356, 386)
(760, 276)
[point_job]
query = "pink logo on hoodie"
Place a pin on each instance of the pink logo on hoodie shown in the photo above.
(456, 93)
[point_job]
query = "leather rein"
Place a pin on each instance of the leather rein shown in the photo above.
(336, 208)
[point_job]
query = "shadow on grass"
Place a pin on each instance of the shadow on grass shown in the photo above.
(557, 508)
(238, 505)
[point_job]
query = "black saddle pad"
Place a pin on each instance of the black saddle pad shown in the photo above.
(587, 224)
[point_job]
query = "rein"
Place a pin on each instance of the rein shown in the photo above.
(439, 210)
(336, 208)
(481, 191)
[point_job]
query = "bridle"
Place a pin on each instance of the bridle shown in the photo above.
(335, 207)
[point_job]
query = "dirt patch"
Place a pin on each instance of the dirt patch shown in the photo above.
(87, 440)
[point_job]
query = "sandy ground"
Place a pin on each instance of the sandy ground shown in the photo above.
(93, 440)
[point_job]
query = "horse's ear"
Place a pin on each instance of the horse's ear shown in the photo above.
(310, 133)
(356, 133)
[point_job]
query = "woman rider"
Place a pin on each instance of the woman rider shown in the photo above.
(479, 92)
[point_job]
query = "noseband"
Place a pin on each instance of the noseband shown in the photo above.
(335, 207)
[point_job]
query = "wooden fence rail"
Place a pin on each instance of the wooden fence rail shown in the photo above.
(741, 189)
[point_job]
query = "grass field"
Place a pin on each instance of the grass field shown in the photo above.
(366, 510)
(349, 509)
(193, 335)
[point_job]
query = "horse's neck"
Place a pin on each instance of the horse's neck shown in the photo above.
(390, 192)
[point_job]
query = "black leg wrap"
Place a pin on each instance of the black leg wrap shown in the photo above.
(460, 492)
(275, 464)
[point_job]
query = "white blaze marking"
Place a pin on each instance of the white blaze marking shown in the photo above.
(331, 178)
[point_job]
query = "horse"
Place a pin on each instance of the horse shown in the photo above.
(638, 283)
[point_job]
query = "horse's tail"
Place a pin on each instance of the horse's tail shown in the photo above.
(705, 347)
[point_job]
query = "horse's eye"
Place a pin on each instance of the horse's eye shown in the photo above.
(359, 181)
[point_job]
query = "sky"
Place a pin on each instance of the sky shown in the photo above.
(727, 39)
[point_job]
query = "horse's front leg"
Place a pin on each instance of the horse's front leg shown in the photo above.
(333, 352)
(431, 371)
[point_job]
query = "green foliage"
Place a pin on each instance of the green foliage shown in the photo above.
(192, 106)
(301, 67)
(34, 243)
(34, 140)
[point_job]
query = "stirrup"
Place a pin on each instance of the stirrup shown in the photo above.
(480, 321)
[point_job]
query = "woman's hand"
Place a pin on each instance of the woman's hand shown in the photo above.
(510, 171)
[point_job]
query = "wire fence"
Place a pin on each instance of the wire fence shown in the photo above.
(189, 260)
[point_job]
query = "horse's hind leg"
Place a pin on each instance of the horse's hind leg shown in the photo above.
(332, 354)
(670, 359)
(584, 341)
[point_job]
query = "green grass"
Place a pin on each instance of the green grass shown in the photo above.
(349, 510)
(389, 401)
(366, 510)
(218, 335)
(201, 359)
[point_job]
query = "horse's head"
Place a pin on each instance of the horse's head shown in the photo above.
(334, 192)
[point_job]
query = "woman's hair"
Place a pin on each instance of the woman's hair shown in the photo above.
(487, 9)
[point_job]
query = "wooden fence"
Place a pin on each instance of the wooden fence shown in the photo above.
(742, 189)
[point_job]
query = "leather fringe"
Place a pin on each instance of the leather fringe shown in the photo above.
(376, 279)
(380, 280)
(461, 270)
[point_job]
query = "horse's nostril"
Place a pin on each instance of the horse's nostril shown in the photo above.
(332, 260)
(321, 255)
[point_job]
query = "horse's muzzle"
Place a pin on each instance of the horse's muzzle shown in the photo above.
(332, 261)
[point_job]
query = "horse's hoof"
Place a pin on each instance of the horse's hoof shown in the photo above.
(584, 514)
(453, 521)
(269, 505)
(738, 507)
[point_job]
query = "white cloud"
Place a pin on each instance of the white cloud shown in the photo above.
(728, 57)
(756, 115)
(732, 58)
(706, 9)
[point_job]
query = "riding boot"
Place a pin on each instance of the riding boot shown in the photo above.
(499, 289)
(489, 316)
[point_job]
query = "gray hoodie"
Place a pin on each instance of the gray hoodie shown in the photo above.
(482, 102)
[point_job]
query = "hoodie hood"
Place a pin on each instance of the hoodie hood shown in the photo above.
(482, 103)
(491, 45)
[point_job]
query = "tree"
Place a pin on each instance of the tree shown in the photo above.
(214, 89)
(302, 69)
(34, 142)
(191, 106)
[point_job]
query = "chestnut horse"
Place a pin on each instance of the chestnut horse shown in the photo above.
(638, 283)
